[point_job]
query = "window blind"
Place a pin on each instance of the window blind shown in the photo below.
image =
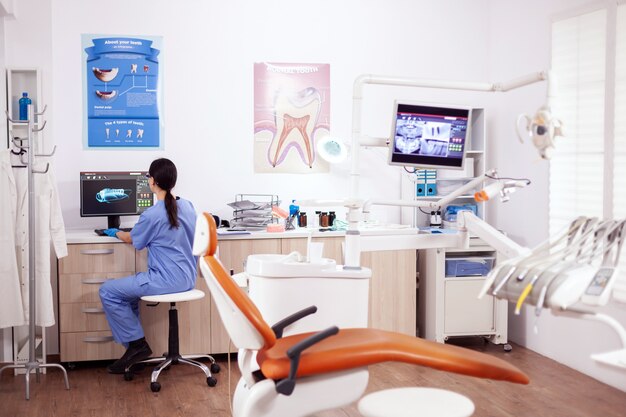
(619, 179)
(576, 171)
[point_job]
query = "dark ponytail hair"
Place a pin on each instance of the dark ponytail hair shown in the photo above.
(164, 173)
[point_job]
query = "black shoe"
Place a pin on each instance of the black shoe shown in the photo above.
(137, 351)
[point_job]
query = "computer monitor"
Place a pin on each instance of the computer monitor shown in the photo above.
(114, 194)
(429, 136)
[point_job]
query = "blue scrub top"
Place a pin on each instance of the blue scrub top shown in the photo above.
(171, 264)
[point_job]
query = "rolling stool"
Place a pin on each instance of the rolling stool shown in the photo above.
(416, 402)
(173, 355)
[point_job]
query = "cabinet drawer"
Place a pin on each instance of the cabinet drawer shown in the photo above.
(89, 346)
(464, 313)
(81, 317)
(83, 288)
(106, 257)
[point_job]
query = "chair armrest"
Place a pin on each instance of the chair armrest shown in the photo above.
(279, 327)
(286, 386)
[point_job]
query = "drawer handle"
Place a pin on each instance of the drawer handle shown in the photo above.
(96, 280)
(96, 251)
(98, 339)
(92, 310)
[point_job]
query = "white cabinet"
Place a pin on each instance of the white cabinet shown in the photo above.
(448, 306)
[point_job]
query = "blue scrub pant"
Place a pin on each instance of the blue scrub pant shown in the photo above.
(120, 300)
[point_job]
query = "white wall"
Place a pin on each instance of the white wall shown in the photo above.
(520, 43)
(208, 56)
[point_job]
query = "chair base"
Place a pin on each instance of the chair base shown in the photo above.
(173, 356)
(165, 361)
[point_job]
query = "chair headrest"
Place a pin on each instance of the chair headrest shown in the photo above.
(205, 237)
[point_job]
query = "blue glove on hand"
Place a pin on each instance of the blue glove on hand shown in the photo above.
(111, 232)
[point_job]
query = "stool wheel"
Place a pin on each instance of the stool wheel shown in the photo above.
(155, 387)
(128, 376)
(211, 381)
(215, 368)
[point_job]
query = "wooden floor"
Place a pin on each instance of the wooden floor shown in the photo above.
(554, 391)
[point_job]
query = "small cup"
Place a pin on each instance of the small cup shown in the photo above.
(315, 252)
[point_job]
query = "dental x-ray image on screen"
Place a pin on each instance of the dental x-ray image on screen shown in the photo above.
(428, 136)
(109, 196)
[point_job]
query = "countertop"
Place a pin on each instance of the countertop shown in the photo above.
(75, 236)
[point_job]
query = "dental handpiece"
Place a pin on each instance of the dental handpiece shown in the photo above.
(569, 233)
(590, 256)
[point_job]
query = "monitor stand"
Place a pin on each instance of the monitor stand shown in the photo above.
(113, 222)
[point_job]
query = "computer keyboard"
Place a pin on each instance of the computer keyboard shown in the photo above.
(100, 232)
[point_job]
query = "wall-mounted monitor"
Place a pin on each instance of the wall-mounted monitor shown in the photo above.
(429, 136)
(114, 194)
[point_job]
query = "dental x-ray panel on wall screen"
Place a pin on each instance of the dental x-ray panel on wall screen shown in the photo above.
(429, 136)
(291, 114)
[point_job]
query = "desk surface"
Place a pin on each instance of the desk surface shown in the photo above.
(75, 236)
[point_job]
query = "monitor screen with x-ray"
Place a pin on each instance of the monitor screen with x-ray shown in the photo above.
(429, 136)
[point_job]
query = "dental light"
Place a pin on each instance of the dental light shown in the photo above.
(542, 128)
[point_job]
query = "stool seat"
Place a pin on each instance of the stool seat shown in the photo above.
(175, 297)
(416, 402)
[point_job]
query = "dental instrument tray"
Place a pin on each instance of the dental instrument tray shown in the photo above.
(469, 266)
(253, 211)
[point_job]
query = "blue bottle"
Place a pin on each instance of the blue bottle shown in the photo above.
(294, 209)
(24, 102)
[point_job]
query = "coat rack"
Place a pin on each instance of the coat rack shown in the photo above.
(29, 149)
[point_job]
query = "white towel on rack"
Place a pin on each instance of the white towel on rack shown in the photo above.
(49, 229)
(11, 307)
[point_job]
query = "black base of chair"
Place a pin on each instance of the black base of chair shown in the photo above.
(173, 356)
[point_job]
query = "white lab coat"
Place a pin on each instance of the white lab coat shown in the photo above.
(49, 228)
(11, 308)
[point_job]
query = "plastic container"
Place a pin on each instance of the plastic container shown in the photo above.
(469, 267)
(281, 285)
(24, 102)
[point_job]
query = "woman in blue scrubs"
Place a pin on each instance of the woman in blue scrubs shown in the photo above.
(167, 230)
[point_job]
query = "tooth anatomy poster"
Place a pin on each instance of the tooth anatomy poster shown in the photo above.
(122, 92)
(291, 114)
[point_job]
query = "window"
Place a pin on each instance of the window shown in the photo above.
(578, 65)
(619, 182)
(588, 172)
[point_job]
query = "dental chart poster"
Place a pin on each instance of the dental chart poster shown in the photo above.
(291, 114)
(122, 92)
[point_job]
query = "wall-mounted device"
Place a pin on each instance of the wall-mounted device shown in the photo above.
(114, 194)
(429, 136)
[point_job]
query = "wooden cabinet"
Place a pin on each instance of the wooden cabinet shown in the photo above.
(84, 332)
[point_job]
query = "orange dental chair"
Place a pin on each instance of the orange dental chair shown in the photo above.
(298, 375)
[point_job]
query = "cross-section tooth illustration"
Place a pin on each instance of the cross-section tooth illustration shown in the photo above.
(296, 116)
(105, 75)
(111, 195)
(106, 95)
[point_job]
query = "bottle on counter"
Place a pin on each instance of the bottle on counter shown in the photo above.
(331, 218)
(324, 219)
(24, 102)
(302, 220)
